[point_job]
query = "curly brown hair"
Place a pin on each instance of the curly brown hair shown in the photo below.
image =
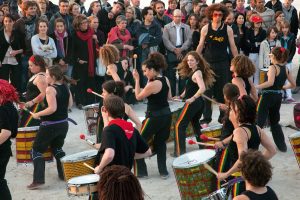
(246, 109)
(280, 54)
(77, 21)
(185, 71)
(156, 61)
(243, 66)
(256, 169)
(109, 54)
(216, 7)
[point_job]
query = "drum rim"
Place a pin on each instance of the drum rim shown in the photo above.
(83, 183)
(212, 128)
(29, 128)
(94, 152)
(196, 164)
(294, 134)
(91, 106)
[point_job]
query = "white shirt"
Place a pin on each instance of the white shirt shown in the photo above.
(178, 35)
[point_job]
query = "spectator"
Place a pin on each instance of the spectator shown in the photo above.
(240, 7)
(196, 8)
(82, 8)
(203, 20)
(228, 4)
(43, 10)
(203, 9)
(51, 8)
(267, 15)
(117, 182)
(11, 43)
(172, 6)
(251, 5)
(84, 61)
(106, 5)
(5, 9)
(62, 13)
(133, 25)
(120, 37)
(42, 44)
(193, 22)
(136, 5)
(275, 5)
(257, 172)
(95, 7)
(129, 82)
(230, 22)
(291, 15)
(240, 23)
(177, 38)
(94, 24)
(279, 19)
(74, 10)
(1, 19)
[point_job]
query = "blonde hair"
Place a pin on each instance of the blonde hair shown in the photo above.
(109, 54)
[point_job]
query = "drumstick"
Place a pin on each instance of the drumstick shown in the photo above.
(82, 136)
(22, 107)
(191, 142)
(210, 99)
(89, 90)
(204, 137)
(88, 166)
(209, 168)
(134, 60)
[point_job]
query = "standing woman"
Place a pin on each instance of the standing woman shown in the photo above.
(270, 100)
(199, 78)
(193, 22)
(240, 23)
(1, 19)
(11, 44)
(279, 19)
(84, 59)
(54, 126)
(35, 92)
(42, 44)
(8, 129)
(158, 116)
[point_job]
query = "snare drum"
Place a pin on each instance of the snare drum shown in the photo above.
(263, 75)
(295, 143)
(91, 117)
(82, 185)
(73, 164)
(24, 142)
(193, 179)
(212, 131)
(217, 195)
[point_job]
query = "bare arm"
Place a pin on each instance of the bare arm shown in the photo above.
(51, 100)
(108, 156)
(70, 104)
(133, 117)
(267, 143)
(271, 78)
(143, 155)
(112, 70)
(169, 93)
(233, 48)
(240, 84)
(4, 135)
(202, 39)
(253, 91)
(292, 83)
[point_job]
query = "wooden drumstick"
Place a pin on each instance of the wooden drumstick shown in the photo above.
(204, 137)
(134, 60)
(200, 143)
(209, 168)
(89, 90)
(88, 166)
(210, 99)
(22, 107)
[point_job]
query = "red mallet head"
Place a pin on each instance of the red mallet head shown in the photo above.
(192, 142)
(135, 56)
(298, 118)
(89, 90)
(203, 137)
(82, 136)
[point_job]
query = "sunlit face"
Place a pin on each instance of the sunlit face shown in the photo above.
(96, 7)
(272, 35)
(42, 4)
(43, 28)
(240, 20)
(240, 3)
(5, 9)
(129, 14)
(260, 4)
(149, 16)
(34, 69)
(117, 8)
(149, 73)
(49, 79)
(95, 23)
(287, 3)
(124, 64)
(63, 8)
(160, 9)
(280, 18)
(193, 21)
(217, 16)
(177, 18)
(60, 27)
(203, 22)
(75, 10)
(285, 30)
(229, 19)
(192, 62)
(31, 11)
(136, 3)
(105, 93)
(173, 5)
(84, 25)
(197, 8)
(8, 23)
(122, 25)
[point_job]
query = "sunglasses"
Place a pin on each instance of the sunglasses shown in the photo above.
(218, 15)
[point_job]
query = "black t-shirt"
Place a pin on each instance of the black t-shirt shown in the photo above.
(9, 121)
(270, 195)
(114, 137)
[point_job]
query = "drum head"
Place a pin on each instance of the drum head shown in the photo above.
(81, 180)
(79, 156)
(211, 128)
(27, 129)
(295, 135)
(194, 158)
(264, 69)
(95, 105)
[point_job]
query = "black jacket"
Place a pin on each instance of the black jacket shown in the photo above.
(16, 43)
(155, 33)
(252, 42)
(276, 7)
(290, 45)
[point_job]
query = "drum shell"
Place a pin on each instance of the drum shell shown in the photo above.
(91, 117)
(295, 143)
(212, 131)
(83, 188)
(24, 142)
(297, 115)
(263, 76)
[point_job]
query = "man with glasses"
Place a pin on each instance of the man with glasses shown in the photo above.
(217, 37)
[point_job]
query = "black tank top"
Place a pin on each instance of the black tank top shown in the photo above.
(216, 44)
(160, 100)
(191, 87)
(253, 142)
(269, 195)
(32, 90)
(62, 101)
(247, 84)
(120, 72)
(279, 80)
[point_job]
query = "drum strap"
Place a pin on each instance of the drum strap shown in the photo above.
(47, 123)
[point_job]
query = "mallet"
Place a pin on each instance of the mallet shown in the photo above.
(82, 136)
(205, 138)
(89, 90)
(191, 142)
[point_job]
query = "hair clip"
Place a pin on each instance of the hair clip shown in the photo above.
(282, 49)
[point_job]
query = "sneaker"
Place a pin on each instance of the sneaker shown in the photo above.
(296, 90)
(34, 186)
(290, 100)
(164, 176)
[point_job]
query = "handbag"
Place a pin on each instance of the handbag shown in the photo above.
(100, 68)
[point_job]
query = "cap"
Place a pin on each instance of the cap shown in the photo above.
(256, 19)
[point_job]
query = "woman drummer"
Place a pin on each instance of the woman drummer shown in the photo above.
(54, 125)
(246, 135)
(8, 129)
(270, 100)
(36, 91)
(158, 116)
(199, 77)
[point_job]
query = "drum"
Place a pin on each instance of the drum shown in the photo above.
(24, 142)
(295, 143)
(217, 195)
(263, 75)
(82, 185)
(212, 131)
(193, 179)
(91, 117)
(73, 164)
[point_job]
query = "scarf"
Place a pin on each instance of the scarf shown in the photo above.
(124, 125)
(88, 37)
(116, 34)
(241, 10)
(60, 37)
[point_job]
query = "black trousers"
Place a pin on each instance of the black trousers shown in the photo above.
(298, 78)
(190, 113)
(53, 136)
(4, 190)
(223, 76)
(12, 73)
(158, 130)
(269, 107)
